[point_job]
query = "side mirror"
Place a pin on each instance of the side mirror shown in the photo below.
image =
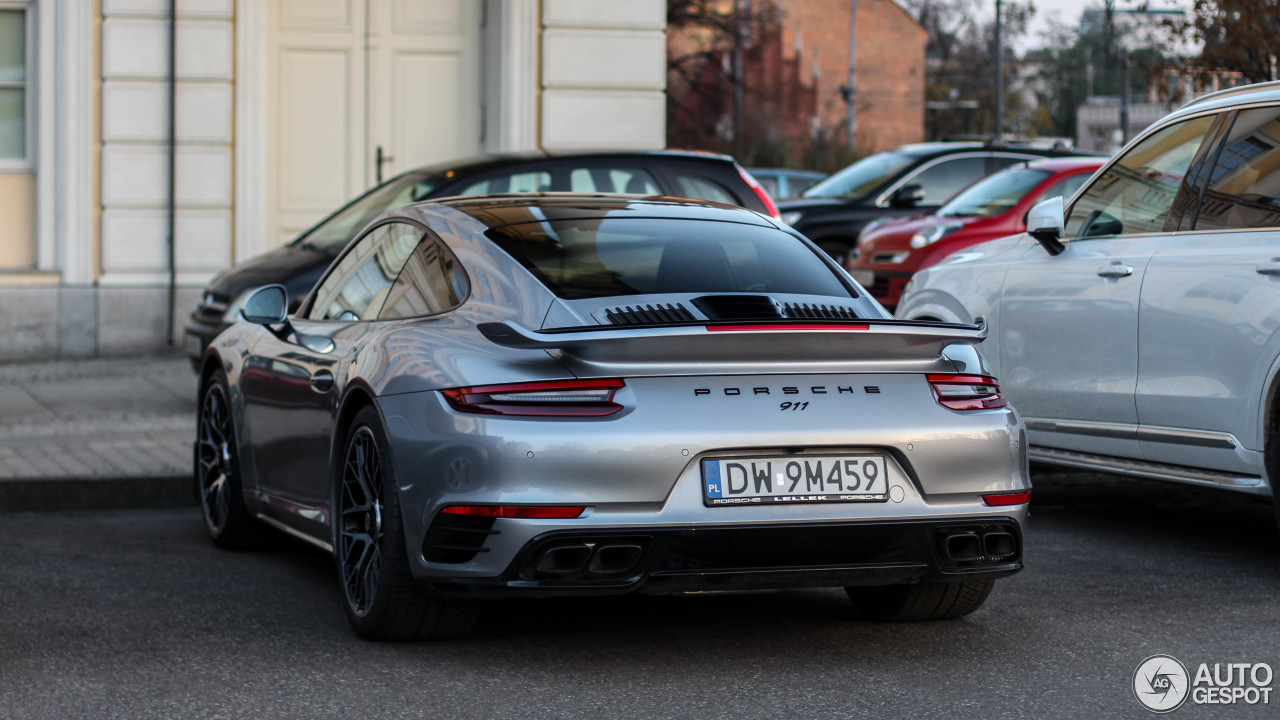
(907, 196)
(268, 305)
(1045, 224)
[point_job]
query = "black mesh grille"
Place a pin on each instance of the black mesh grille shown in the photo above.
(456, 538)
(805, 311)
(739, 307)
(649, 314)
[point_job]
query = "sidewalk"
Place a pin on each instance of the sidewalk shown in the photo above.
(96, 433)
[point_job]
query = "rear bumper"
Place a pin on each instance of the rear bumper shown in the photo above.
(690, 558)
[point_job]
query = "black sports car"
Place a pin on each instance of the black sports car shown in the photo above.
(298, 265)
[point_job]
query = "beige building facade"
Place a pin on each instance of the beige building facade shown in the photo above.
(284, 110)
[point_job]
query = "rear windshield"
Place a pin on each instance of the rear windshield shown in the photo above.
(994, 194)
(592, 258)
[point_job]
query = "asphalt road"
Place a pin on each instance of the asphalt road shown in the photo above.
(134, 614)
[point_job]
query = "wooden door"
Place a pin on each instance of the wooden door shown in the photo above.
(346, 77)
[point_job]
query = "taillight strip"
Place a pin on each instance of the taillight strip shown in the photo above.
(770, 207)
(967, 392)
(591, 397)
(784, 326)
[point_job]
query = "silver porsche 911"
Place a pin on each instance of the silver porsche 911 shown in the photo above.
(566, 394)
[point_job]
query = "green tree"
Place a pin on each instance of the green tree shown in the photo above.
(962, 63)
(1237, 35)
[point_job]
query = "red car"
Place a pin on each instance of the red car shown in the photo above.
(889, 253)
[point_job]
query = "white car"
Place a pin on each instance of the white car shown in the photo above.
(1138, 331)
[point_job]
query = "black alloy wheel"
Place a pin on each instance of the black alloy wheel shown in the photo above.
(217, 471)
(360, 532)
(382, 599)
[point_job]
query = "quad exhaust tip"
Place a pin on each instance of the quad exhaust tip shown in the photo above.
(977, 545)
(588, 561)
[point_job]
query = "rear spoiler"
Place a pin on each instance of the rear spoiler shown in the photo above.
(791, 341)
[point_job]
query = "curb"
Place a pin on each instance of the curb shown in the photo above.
(96, 493)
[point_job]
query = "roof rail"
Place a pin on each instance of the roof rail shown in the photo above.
(1237, 90)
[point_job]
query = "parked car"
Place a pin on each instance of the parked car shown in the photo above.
(911, 180)
(782, 184)
(592, 395)
(891, 251)
(1138, 332)
(299, 264)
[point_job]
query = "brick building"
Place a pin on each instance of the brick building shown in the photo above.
(889, 67)
(795, 56)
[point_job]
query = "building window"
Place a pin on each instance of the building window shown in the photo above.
(15, 95)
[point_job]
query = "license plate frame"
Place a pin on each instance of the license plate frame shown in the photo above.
(799, 479)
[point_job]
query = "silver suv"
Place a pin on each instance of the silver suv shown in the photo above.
(1137, 326)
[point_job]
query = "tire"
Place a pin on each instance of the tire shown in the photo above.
(381, 598)
(216, 471)
(920, 601)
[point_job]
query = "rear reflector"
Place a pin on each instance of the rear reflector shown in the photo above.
(516, 511)
(967, 392)
(1016, 498)
(557, 398)
(784, 326)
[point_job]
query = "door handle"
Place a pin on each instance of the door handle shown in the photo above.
(1269, 268)
(321, 381)
(1115, 270)
(379, 159)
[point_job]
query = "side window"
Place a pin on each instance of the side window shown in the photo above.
(431, 283)
(948, 177)
(536, 181)
(1065, 187)
(613, 180)
(357, 286)
(1244, 186)
(1135, 194)
(701, 188)
(16, 106)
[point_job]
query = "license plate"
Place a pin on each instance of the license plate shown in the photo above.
(865, 278)
(795, 479)
(192, 344)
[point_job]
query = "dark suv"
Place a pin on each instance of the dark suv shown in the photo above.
(910, 180)
(300, 264)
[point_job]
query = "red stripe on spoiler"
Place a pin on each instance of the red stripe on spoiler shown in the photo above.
(758, 328)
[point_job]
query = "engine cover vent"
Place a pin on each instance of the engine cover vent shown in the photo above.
(805, 311)
(649, 314)
(739, 307)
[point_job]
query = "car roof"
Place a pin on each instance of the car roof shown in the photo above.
(787, 171)
(482, 163)
(1256, 92)
(515, 208)
(933, 149)
(1061, 164)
